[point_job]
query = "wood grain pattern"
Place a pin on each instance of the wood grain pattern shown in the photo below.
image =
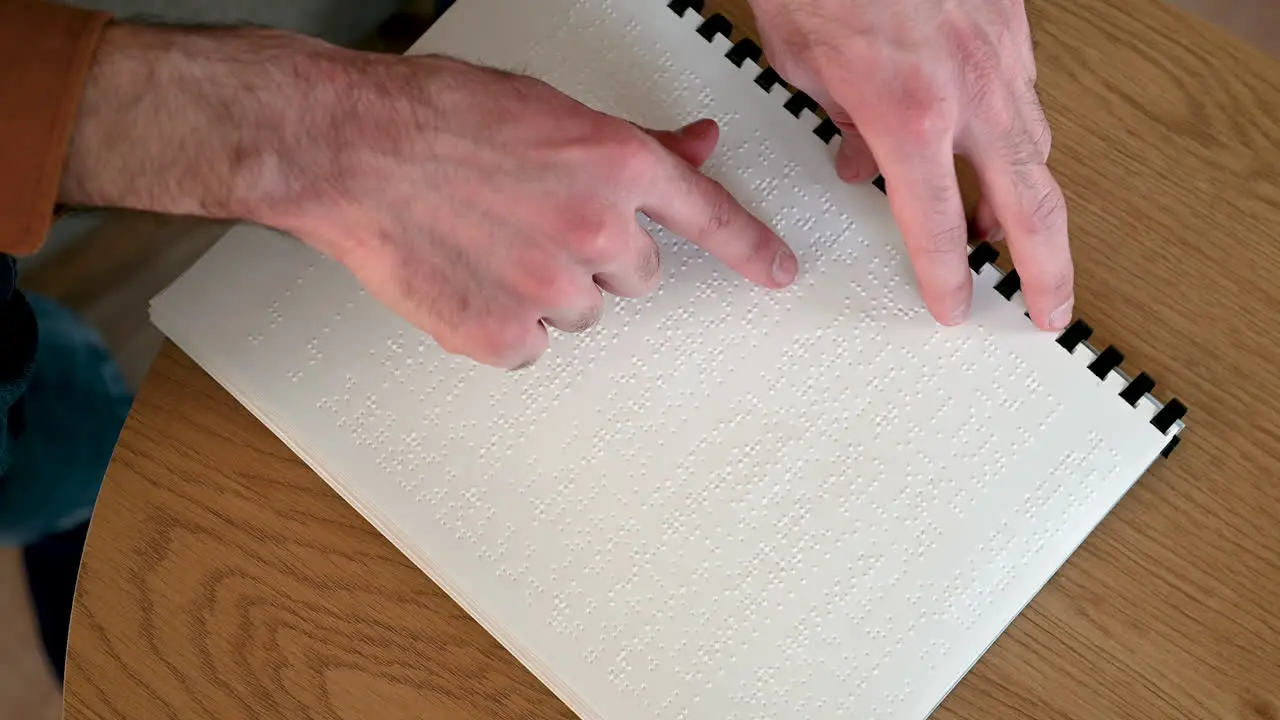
(223, 579)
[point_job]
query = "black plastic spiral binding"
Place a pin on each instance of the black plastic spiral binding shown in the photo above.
(982, 254)
(1009, 284)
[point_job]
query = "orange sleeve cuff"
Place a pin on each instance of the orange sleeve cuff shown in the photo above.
(46, 50)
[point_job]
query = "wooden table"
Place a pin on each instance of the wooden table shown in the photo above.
(223, 579)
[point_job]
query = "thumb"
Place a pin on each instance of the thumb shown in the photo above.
(854, 161)
(986, 226)
(692, 143)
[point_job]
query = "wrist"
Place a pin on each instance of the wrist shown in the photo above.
(364, 118)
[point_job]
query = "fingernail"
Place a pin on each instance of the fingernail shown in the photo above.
(785, 267)
(995, 236)
(960, 314)
(1059, 318)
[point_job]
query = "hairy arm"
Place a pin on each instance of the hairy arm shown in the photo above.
(481, 205)
(192, 121)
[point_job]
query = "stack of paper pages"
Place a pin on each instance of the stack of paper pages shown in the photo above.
(723, 501)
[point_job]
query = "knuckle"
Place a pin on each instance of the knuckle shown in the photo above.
(547, 285)
(634, 160)
(484, 348)
(1041, 132)
(998, 117)
(797, 53)
(1061, 283)
(1028, 139)
(649, 269)
(1056, 284)
(1048, 211)
(558, 290)
(793, 65)
(451, 343)
(801, 65)
(1044, 141)
(720, 209)
(587, 318)
(591, 239)
(502, 343)
(923, 111)
(944, 240)
(995, 109)
(952, 290)
(1021, 150)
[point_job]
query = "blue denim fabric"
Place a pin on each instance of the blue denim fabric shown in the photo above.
(71, 403)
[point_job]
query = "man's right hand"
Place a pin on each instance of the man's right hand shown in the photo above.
(476, 203)
(479, 204)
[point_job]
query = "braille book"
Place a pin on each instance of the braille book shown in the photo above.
(723, 501)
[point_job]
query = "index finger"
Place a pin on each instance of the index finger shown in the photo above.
(703, 211)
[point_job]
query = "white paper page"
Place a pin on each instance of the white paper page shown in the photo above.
(724, 501)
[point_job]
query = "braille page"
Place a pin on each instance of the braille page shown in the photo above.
(723, 501)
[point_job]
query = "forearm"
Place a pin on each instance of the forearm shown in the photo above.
(190, 121)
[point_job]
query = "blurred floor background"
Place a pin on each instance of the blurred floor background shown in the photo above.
(107, 265)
